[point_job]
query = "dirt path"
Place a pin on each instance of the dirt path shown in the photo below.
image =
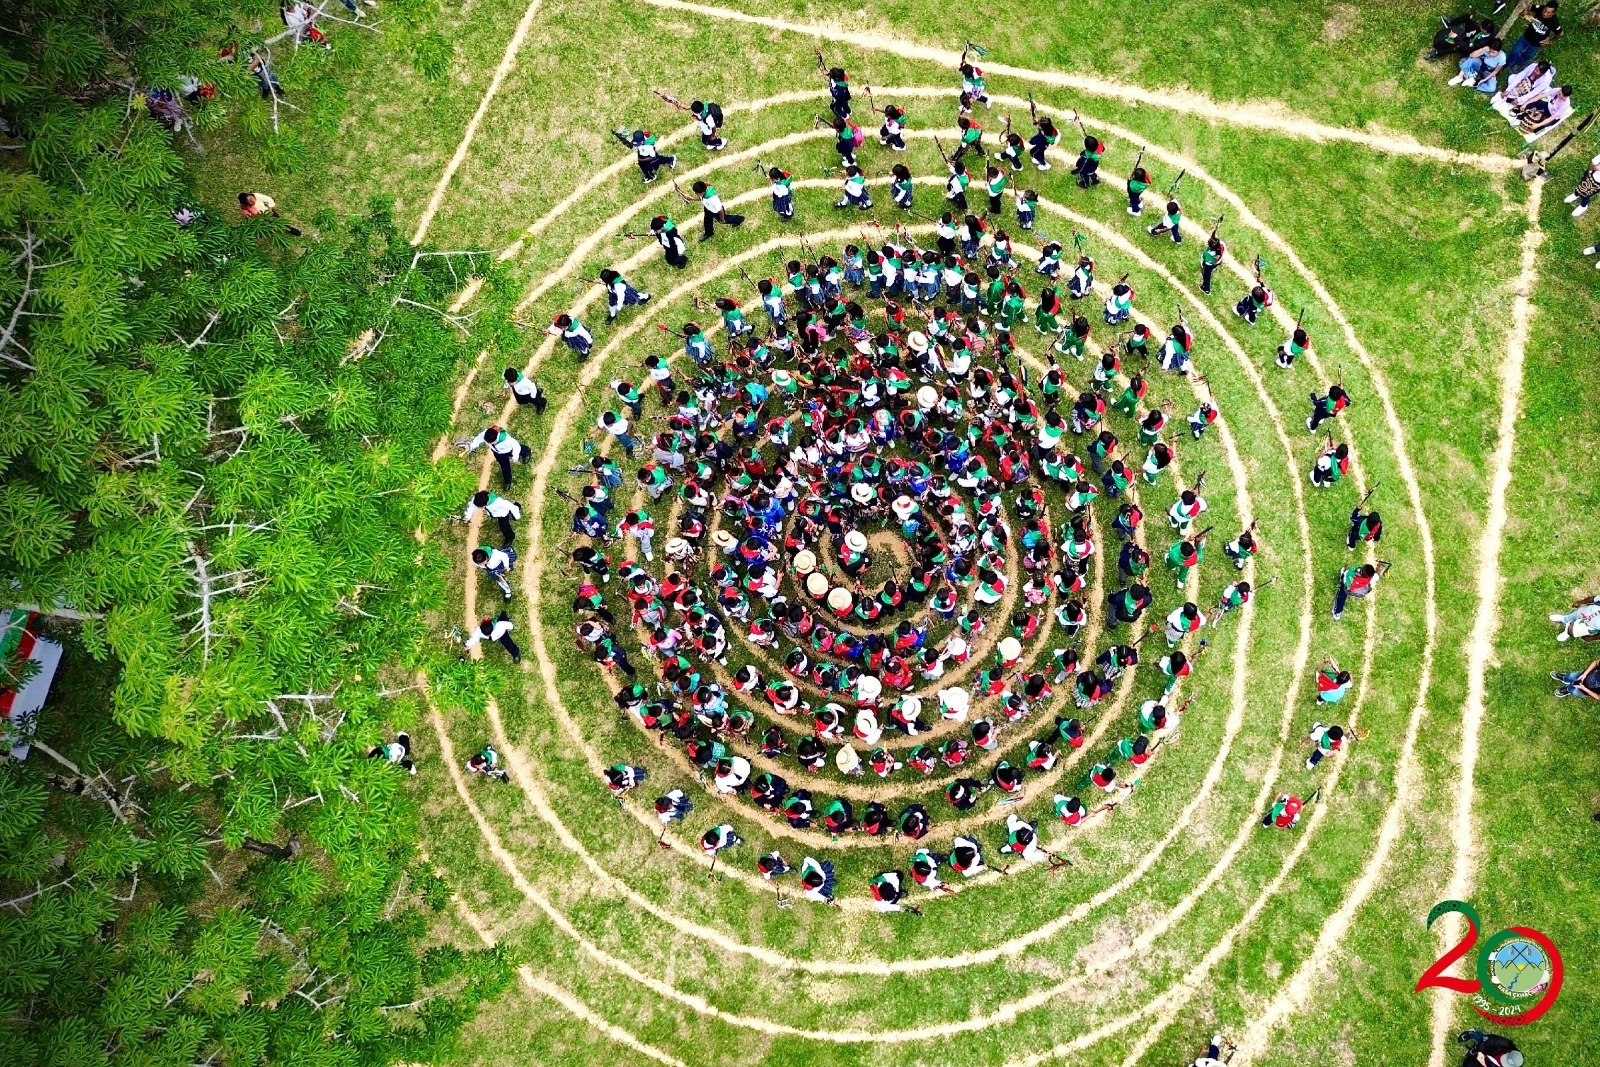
(507, 63)
(1275, 117)
(1486, 620)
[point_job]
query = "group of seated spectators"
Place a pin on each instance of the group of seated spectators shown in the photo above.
(1531, 100)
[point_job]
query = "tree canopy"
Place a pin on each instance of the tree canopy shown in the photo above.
(214, 444)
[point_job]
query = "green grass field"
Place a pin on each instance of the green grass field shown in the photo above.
(1302, 945)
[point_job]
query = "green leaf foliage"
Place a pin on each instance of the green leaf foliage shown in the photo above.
(214, 443)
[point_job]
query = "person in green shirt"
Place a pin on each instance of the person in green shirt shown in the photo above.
(1170, 224)
(1298, 344)
(1088, 166)
(782, 192)
(1210, 256)
(1138, 182)
(996, 183)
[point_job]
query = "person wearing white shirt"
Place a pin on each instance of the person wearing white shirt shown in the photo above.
(497, 562)
(525, 390)
(497, 630)
(501, 509)
(505, 448)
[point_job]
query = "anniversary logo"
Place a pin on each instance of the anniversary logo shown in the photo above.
(1518, 969)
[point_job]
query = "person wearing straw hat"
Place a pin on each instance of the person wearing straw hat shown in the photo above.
(853, 558)
(954, 704)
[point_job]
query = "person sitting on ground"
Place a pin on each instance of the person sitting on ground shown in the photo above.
(1582, 622)
(1459, 36)
(1480, 70)
(1584, 682)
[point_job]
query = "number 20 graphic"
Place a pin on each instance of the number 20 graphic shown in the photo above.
(1482, 985)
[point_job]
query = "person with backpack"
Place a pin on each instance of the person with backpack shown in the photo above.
(708, 120)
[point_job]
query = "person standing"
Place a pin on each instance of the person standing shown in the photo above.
(1210, 256)
(643, 143)
(573, 333)
(782, 192)
(497, 563)
(396, 751)
(619, 294)
(1365, 526)
(671, 241)
(1543, 28)
(504, 447)
(524, 390)
(497, 630)
(1138, 182)
(1087, 167)
(708, 120)
(1358, 582)
(1044, 138)
(1171, 223)
(1327, 407)
(712, 209)
(1587, 189)
(499, 508)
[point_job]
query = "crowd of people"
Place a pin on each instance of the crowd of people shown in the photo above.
(884, 502)
(1531, 98)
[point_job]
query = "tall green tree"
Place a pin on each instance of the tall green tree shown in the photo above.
(214, 442)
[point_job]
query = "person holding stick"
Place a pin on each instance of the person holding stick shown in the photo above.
(711, 207)
(708, 120)
(1045, 136)
(838, 87)
(1358, 582)
(643, 144)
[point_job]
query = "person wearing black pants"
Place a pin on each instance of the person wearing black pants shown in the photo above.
(1210, 256)
(499, 508)
(504, 447)
(396, 751)
(497, 630)
(712, 209)
(1324, 408)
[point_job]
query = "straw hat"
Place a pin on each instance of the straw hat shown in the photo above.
(861, 493)
(903, 507)
(855, 541)
(910, 706)
(817, 585)
(953, 703)
(868, 687)
(917, 341)
(957, 645)
(1010, 649)
(927, 398)
(805, 561)
(782, 379)
(676, 546)
(840, 599)
(724, 540)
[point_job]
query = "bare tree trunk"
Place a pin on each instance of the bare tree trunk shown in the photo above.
(1516, 13)
(277, 852)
